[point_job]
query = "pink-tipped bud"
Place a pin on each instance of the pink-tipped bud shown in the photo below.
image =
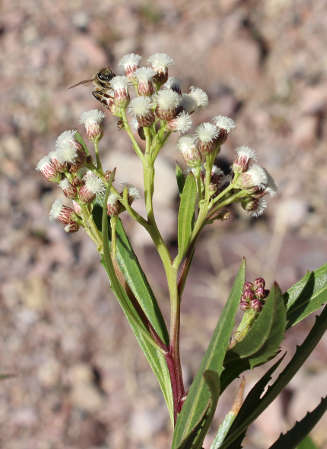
(119, 85)
(92, 121)
(114, 206)
(248, 286)
(48, 170)
(92, 186)
(187, 146)
(77, 208)
(244, 156)
(130, 63)
(256, 304)
(142, 108)
(167, 104)
(207, 135)
(72, 227)
(160, 62)
(259, 282)
(144, 76)
(248, 295)
(224, 125)
(69, 190)
(255, 177)
(60, 167)
(61, 212)
(244, 305)
(182, 123)
(260, 293)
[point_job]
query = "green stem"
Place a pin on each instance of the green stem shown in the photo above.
(136, 147)
(244, 327)
(97, 157)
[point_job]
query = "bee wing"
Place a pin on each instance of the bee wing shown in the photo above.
(81, 82)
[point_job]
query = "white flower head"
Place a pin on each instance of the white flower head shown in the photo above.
(55, 210)
(67, 147)
(130, 63)
(160, 61)
(144, 74)
(167, 99)
(182, 123)
(246, 152)
(133, 193)
(140, 106)
(187, 146)
(257, 176)
(119, 83)
(199, 96)
(206, 132)
(43, 163)
(92, 121)
(59, 211)
(93, 183)
(223, 122)
(245, 155)
(260, 208)
(174, 84)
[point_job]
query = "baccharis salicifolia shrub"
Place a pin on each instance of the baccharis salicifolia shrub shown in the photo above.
(150, 106)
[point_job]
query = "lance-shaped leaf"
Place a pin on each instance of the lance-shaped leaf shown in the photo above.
(298, 432)
(199, 395)
(253, 405)
(306, 296)
(180, 178)
(261, 342)
(186, 214)
(153, 354)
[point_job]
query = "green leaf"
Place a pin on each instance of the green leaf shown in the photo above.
(306, 296)
(153, 354)
(186, 214)
(199, 395)
(307, 443)
(296, 434)
(254, 405)
(261, 342)
(180, 178)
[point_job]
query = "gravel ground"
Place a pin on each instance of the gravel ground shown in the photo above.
(81, 381)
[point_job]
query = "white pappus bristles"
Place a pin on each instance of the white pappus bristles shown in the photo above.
(130, 63)
(47, 169)
(93, 183)
(174, 84)
(67, 148)
(187, 146)
(182, 123)
(206, 132)
(69, 190)
(114, 207)
(244, 156)
(119, 85)
(254, 177)
(160, 61)
(167, 103)
(199, 96)
(92, 121)
(142, 108)
(260, 208)
(59, 211)
(133, 193)
(223, 122)
(144, 76)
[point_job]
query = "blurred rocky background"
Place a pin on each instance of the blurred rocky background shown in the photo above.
(81, 382)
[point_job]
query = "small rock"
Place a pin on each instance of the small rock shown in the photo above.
(49, 373)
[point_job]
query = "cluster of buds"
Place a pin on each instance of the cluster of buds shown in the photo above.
(254, 294)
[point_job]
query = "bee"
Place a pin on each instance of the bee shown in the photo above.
(101, 81)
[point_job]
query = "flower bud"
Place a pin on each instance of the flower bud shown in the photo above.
(114, 206)
(244, 156)
(260, 293)
(224, 125)
(187, 146)
(92, 121)
(182, 123)
(54, 160)
(130, 63)
(48, 170)
(142, 108)
(167, 104)
(259, 282)
(144, 76)
(207, 135)
(69, 189)
(69, 151)
(256, 304)
(244, 305)
(77, 208)
(248, 286)
(119, 85)
(92, 186)
(254, 177)
(72, 227)
(248, 295)
(160, 62)
(61, 212)
(199, 96)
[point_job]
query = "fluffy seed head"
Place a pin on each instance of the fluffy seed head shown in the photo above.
(244, 156)
(207, 135)
(160, 61)
(119, 85)
(93, 183)
(61, 212)
(224, 122)
(92, 121)
(114, 207)
(144, 76)
(187, 146)
(254, 178)
(47, 169)
(133, 193)
(69, 150)
(130, 63)
(167, 104)
(182, 123)
(199, 96)
(141, 107)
